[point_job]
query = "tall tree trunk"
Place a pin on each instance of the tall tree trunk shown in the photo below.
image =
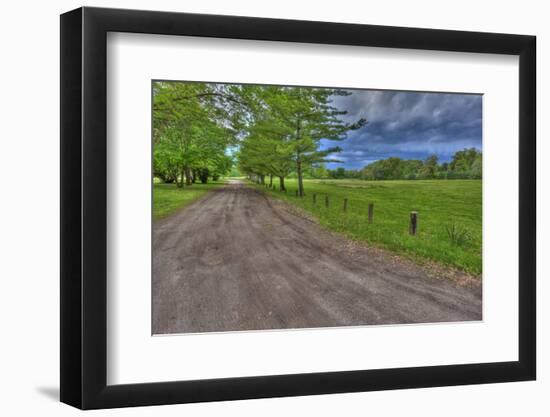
(188, 176)
(180, 182)
(282, 183)
(300, 179)
(262, 179)
(270, 180)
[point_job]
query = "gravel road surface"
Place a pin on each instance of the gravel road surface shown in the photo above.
(237, 260)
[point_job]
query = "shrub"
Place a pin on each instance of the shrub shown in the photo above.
(458, 234)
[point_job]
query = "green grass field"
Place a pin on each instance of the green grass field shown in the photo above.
(167, 198)
(449, 215)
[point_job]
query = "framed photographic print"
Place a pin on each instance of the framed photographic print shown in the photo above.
(258, 208)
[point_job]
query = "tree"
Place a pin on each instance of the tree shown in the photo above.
(477, 167)
(264, 152)
(319, 171)
(397, 168)
(193, 123)
(429, 169)
(338, 173)
(390, 168)
(290, 122)
(222, 165)
(462, 160)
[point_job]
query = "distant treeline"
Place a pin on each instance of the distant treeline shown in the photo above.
(466, 164)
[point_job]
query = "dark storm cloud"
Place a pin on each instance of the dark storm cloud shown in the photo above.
(408, 125)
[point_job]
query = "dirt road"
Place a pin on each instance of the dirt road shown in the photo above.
(236, 260)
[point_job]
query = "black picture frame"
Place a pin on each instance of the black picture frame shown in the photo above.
(84, 207)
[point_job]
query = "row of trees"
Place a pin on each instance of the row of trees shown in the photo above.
(464, 164)
(193, 124)
(284, 131)
(278, 132)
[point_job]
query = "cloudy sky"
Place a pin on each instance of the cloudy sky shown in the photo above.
(408, 125)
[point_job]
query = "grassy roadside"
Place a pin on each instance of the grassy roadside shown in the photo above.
(449, 216)
(168, 198)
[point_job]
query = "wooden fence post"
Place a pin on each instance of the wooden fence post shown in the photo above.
(413, 225)
(326, 201)
(345, 205)
(371, 212)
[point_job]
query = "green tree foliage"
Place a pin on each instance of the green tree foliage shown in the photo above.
(193, 123)
(430, 168)
(287, 128)
(167, 158)
(392, 169)
(277, 132)
(463, 160)
(338, 173)
(264, 154)
(319, 171)
(467, 164)
(476, 171)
